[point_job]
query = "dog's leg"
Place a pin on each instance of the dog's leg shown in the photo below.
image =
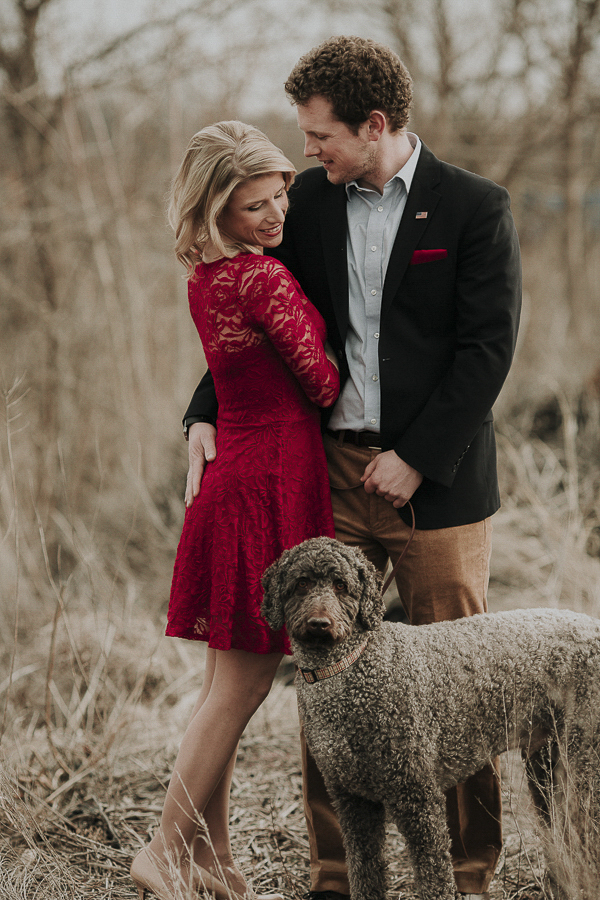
(539, 767)
(545, 786)
(363, 830)
(420, 814)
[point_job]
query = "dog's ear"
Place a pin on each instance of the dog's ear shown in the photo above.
(370, 612)
(272, 605)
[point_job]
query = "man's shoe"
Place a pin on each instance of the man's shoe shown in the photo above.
(325, 895)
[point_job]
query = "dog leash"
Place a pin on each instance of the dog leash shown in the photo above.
(388, 580)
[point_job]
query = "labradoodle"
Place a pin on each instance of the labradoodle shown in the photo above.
(395, 715)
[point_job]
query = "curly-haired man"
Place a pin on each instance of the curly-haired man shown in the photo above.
(415, 265)
(356, 76)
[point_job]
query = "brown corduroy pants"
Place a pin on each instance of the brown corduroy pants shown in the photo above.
(443, 576)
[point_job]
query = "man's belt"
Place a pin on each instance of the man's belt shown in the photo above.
(358, 438)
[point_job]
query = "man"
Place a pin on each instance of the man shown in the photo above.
(415, 266)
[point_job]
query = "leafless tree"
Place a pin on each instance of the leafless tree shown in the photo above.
(30, 117)
(94, 314)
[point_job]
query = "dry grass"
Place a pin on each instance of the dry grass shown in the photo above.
(98, 359)
(74, 837)
(95, 700)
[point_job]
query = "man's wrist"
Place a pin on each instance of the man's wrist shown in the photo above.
(191, 420)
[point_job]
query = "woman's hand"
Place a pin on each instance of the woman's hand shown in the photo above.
(201, 450)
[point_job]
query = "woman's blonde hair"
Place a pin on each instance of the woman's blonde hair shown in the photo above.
(218, 159)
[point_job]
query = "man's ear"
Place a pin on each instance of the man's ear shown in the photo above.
(376, 125)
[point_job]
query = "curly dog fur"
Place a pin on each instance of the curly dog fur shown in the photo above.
(424, 708)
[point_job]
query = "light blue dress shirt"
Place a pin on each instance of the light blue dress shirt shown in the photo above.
(373, 221)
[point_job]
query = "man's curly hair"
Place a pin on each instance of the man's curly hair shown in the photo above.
(357, 76)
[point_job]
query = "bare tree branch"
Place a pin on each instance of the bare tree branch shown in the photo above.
(206, 8)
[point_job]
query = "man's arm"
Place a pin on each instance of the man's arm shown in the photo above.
(204, 401)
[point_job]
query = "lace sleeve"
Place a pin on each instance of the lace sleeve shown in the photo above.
(273, 300)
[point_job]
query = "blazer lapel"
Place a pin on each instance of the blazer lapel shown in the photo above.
(421, 198)
(334, 225)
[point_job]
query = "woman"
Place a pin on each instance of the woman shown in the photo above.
(265, 491)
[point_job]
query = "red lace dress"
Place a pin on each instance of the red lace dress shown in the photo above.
(267, 489)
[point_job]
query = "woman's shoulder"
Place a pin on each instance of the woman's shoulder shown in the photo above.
(258, 269)
(245, 263)
(256, 262)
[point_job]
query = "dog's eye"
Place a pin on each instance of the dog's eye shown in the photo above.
(302, 583)
(339, 586)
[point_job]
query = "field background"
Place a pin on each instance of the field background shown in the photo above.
(98, 358)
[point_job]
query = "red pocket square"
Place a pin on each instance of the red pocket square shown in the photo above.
(423, 256)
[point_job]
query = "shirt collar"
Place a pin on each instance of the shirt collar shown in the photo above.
(405, 174)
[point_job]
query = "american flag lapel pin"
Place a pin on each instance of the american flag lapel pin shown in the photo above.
(421, 215)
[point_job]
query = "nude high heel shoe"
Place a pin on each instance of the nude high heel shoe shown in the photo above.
(150, 874)
(146, 876)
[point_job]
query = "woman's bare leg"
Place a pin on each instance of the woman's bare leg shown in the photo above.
(212, 846)
(236, 684)
(215, 853)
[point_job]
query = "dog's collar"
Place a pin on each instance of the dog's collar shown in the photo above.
(313, 675)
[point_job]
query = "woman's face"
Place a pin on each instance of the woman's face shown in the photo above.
(255, 212)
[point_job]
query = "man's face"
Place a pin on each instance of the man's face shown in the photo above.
(345, 156)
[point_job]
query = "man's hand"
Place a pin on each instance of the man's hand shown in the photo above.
(202, 449)
(390, 477)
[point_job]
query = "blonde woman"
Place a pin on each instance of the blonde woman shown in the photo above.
(265, 488)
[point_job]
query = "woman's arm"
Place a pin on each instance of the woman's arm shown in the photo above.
(273, 300)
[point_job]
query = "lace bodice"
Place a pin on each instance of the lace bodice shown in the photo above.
(242, 303)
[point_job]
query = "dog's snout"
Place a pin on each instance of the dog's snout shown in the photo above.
(319, 625)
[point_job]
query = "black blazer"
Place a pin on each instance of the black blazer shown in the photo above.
(448, 325)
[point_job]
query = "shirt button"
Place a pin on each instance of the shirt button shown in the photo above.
(373, 249)
(376, 334)
(380, 209)
(373, 421)
(373, 292)
(375, 377)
